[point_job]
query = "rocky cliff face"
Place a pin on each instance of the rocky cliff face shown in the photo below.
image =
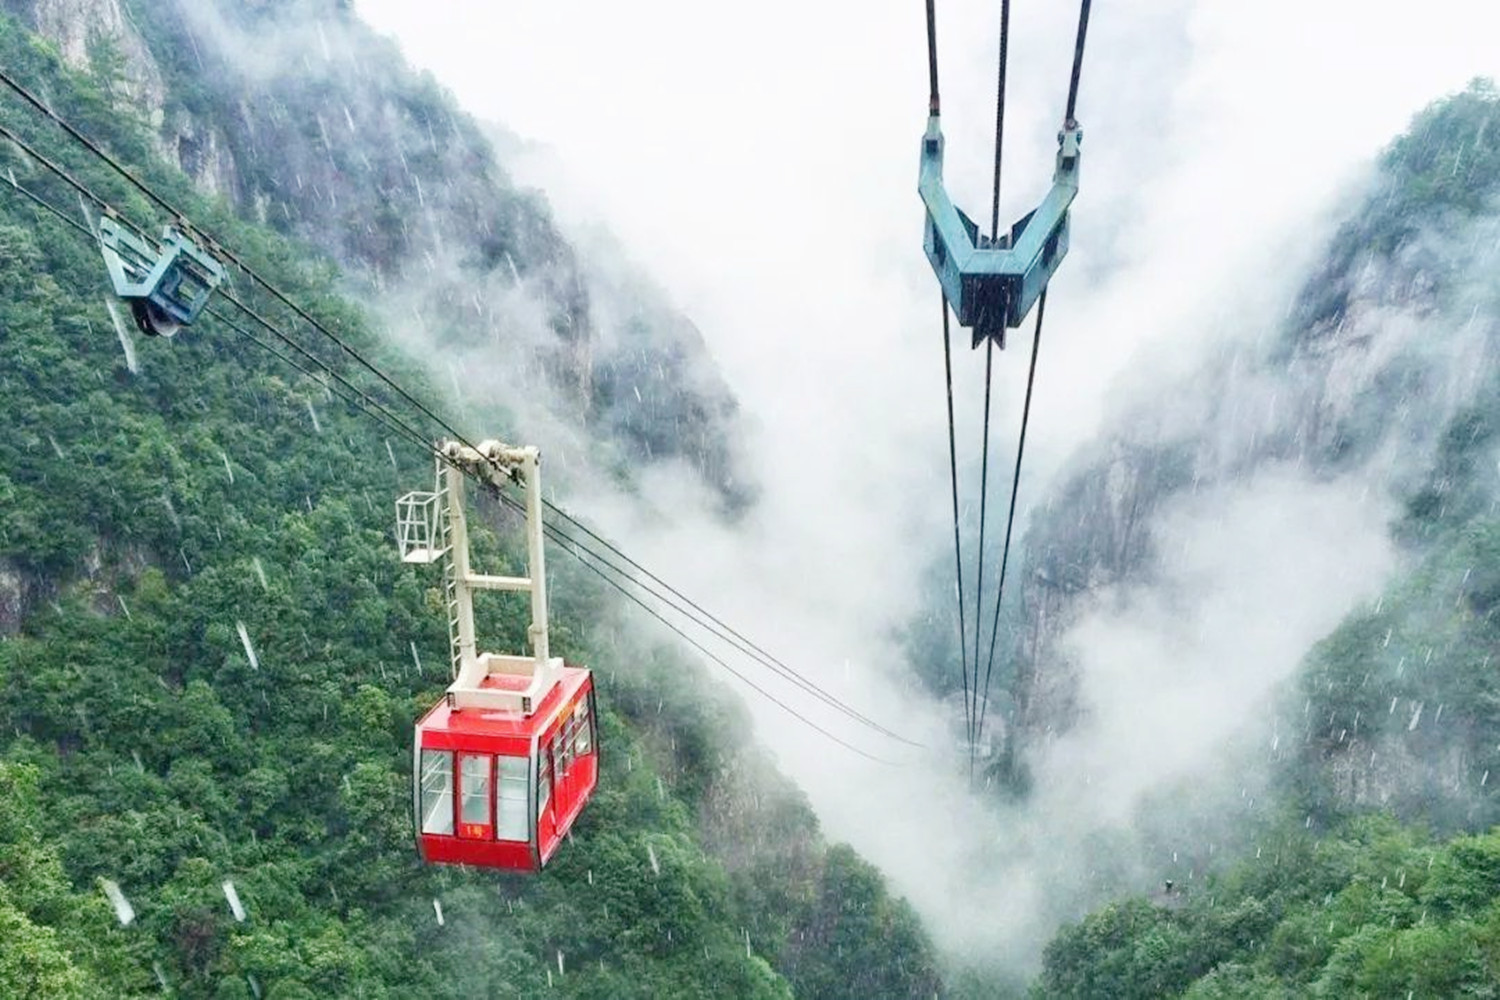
(90, 32)
(300, 117)
(1375, 372)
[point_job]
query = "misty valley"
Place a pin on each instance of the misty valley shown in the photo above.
(428, 569)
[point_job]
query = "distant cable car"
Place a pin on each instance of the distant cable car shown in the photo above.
(505, 763)
(168, 287)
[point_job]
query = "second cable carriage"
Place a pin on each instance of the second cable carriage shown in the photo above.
(505, 763)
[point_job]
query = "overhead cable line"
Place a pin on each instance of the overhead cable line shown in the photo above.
(1000, 116)
(392, 421)
(43, 203)
(227, 254)
(933, 104)
(958, 548)
(712, 625)
(737, 639)
(577, 552)
(943, 221)
(1036, 342)
(1010, 519)
(1083, 31)
(724, 631)
(54, 167)
(984, 498)
(291, 362)
(989, 361)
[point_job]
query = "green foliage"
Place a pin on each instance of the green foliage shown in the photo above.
(1405, 692)
(1450, 157)
(152, 518)
(32, 964)
(1394, 717)
(875, 943)
(1373, 910)
(1398, 709)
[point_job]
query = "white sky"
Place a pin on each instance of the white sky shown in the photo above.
(759, 161)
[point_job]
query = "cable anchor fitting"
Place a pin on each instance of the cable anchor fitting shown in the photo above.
(992, 286)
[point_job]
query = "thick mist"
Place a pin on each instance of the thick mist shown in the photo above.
(759, 163)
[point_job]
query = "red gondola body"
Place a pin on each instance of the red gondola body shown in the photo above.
(528, 776)
(503, 765)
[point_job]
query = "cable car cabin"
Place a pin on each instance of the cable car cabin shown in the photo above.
(508, 759)
(499, 788)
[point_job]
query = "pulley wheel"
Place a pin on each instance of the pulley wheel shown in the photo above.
(151, 320)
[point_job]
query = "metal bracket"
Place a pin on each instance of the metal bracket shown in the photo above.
(167, 287)
(993, 286)
(418, 531)
(432, 527)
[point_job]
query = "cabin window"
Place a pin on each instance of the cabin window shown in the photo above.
(437, 791)
(474, 779)
(512, 822)
(583, 734)
(563, 744)
(543, 778)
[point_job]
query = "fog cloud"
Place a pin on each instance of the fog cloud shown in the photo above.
(760, 162)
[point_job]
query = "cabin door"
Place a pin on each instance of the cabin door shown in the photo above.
(476, 801)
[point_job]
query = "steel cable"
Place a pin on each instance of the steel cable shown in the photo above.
(363, 401)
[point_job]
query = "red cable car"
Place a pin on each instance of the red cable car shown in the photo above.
(505, 763)
(521, 779)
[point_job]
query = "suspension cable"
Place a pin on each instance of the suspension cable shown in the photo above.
(227, 253)
(363, 401)
(41, 202)
(723, 630)
(1069, 120)
(390, 418)
(1010, 519)
(958, 548)
(733, 637)
(51, 165)
(712, 625)
(933, 104)
(989, 358)
(570, 546)
(1083, 30)
(580, 553)
(984, 496)
(1000, 116)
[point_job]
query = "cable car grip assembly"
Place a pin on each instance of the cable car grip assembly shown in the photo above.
(167, 287)
(432, 527)
(992, 286)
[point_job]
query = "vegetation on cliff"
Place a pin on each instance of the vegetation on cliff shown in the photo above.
(1381, 880)
(212, 660)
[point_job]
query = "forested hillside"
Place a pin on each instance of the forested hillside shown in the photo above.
(1369, 909)
(212, 660)
(297, 115)
(1379, 875)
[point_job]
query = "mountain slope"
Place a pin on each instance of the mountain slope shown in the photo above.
(295, 114)
(1375, 875)
(1383, 375)
(211, 662)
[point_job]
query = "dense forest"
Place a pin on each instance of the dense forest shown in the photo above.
(1368, 909)
(212, 660)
